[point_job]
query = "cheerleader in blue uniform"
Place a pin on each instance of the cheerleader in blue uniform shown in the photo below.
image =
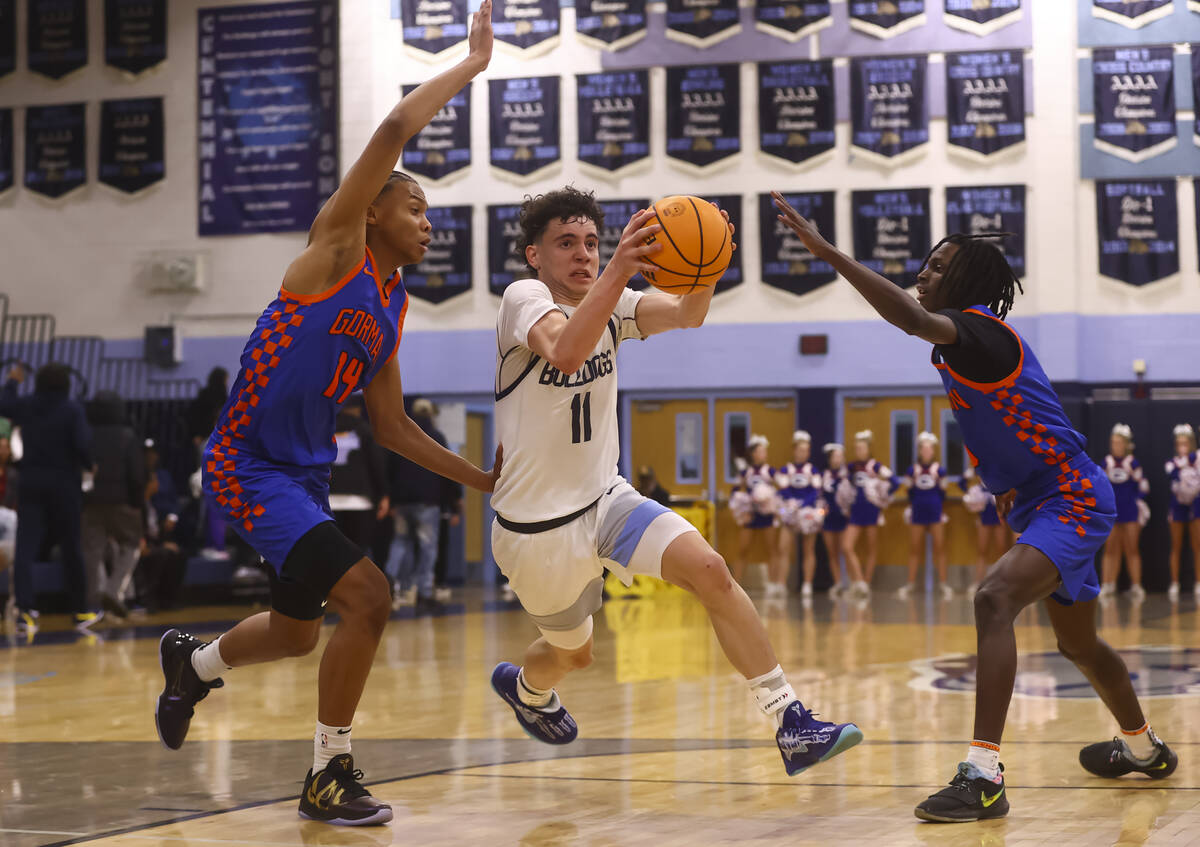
(990, 533)
(802, 511)
(926, 482)
(834, 529)
(1184, 473)
(870, 479)
(1130, 488)
(755, 507)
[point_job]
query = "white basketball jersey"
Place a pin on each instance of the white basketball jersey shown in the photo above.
(559, 431)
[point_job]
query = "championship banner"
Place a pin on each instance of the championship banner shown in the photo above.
(888, 112)
(886, 18)
(614, 122)
(6, 149)
(981, 17)
(791, 20)
(731, 203)
(616, 215)
(505, 262)
(445, 271)
(985, 102)
(433, 28)
(442, 149)
(1137, 226)
(891, 232)
(703, 116)
(702, 23)
(786, 263)
(135, 34)
(797, 117)
(523, 120)
(530, 27)
(1133, 14)
(991, 208)
(1134, 101)
(8, 36)
(57, 36)
(610, 24)
(55, 149)
(131, 143)
(268, 108)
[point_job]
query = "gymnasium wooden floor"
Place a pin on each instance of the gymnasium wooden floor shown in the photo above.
(672, 750)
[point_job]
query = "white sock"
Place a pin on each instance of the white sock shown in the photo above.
(538, 698)
(329, 741)
(1139, 741)
(207, 661)
(986, 757)
(773, 693)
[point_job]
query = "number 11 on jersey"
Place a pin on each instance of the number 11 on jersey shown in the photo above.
(581, 418)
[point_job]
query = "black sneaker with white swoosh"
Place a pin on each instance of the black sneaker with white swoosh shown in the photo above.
(1113, 759)
(335, 795)
(967, 798)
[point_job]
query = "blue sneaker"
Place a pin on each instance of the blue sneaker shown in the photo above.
(552, 725)
(804, 741)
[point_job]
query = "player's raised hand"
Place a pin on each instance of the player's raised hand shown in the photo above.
(480, 38)
(638, 242)
(805, 229)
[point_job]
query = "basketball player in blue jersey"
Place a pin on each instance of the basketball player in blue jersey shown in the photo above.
(333, 329)
(1061, 502)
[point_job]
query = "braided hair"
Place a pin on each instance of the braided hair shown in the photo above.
(978, 273)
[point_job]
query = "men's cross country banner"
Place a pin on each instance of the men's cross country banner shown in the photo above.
(991, 208)
(981, 17)
(1133, 14)
(523, 117)
(616, 215)
(55, 149)
(268, 131)
(791, 20)
(886, 18)
(505, 262)
(610, 24)
(703, 116)
(135, 34)
(6, 149)
(797, 118)
(432, 28)
(58, 37)
(8, 36)
(888, 110)
(614, 121)
(702, 23)
(786, 262)
(442, 149)
(445, 271)
(732, 204)
(131, 143)
(1134, 101)
(1137, 226)
(529, 27)
(891, 232)
(985, 102)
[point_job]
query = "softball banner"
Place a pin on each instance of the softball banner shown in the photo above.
(445, 271)
(786, 263)
(1137, 225)
(985, 102)
(791, 20)
(891, 232)
(886, 18)
(523, 117)
(797, 117)
(1134, 101)
(991, 208)
(614, 121)
(888, 109)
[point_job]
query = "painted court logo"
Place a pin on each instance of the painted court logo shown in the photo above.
(1155, 671)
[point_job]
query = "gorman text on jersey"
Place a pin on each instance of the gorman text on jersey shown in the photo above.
(361, 325)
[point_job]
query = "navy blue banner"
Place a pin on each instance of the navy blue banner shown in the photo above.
(703, 114)
(1196, 93)
(434, 26)
(731, 203)
(891, 232)
(886, 18)
(614, 120)
(57, 36)
(1133, 14)
(531, 26)
(131, 143)
(55, 148)
(616, 215)
(268, 109)
(445, 271)
(791, 20)
(888, 112)
(1134, 100)
(990, 208)
(702, 23)
(443, 147)
(135, 34)
(1137, 225)
(981, 17)
(505, 262)
(786, 262)
(797, 118)
(611, 24)
(985, 101)
(523, 121)
(1196, 195)
(8, 36)
(6, 150)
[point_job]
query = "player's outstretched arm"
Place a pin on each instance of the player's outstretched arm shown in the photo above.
(660, 312)
(892, 303)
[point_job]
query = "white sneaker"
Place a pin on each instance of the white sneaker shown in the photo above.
(404, 598)
(1137, 594)
(837, 589)
(972, 588)
(905, 590)
(1108, 589)
(507, 594)
(947, 591)
(806, 590)
(860, 589)
(1173, 592)
(443, 594)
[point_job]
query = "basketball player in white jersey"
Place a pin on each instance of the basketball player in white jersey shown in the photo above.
(564, 515)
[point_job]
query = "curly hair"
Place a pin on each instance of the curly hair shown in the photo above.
(978, 273)
(565, 204)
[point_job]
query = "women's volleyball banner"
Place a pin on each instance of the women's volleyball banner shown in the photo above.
(6, 149)
(791, 20)
(1137, 226)
(445, 271)
(614, 121)
(1133, 14)
(888, 110)
(985, 102)
(797, 118)
(1134, 101)
(58, 36)
(505, 262)
(891, 232)
(442, 148)
(786, 262)
(433, 28)
(990, 208)
(135, 34)
(131, 143)
(523, 116)
(530, 27)
(55, 149)
(702, 23)
(8, 36)
(886, 18)
(610, 24)
(981, 17)
(703, 115)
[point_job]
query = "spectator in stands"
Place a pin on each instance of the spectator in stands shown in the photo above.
(357, 487)
(162, 564)
(201, 420)
(649, 486)
(8, 514)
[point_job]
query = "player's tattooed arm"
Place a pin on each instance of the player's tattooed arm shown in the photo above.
(661, 312)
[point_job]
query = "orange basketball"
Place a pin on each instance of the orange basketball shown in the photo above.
(696, 245)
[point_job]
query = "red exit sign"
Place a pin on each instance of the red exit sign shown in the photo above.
(814, 345)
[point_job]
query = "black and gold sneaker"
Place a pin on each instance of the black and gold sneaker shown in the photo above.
(335, 795)
(1114, 758)
(968, 797)
(182, 687)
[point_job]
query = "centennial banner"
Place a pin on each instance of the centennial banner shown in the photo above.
(523, 120)
(616, 215)
(610, 24)
(703, 116)
(797, 116)
(1137, 225)
(55, 149)
(135, 34)
(433, 28)
(442, 149)
(702, 23)
(990, 208)
(131, 143)
(1133, 14)
(57, 36)
(8, 36)
(985, 103)
(505, 262)
(981, 17)
(888, 109)
(445, 271)
(791, 20)
(891, 232)
(268, 109)
(786, 263)
(731, 203)
(886, 18)
(6, 150)
(1134, 101)
(529, 27)
(614, 121)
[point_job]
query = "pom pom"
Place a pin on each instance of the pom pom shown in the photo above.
(742, 507)
(845, 495)
(1143, 513)
(976, 499)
